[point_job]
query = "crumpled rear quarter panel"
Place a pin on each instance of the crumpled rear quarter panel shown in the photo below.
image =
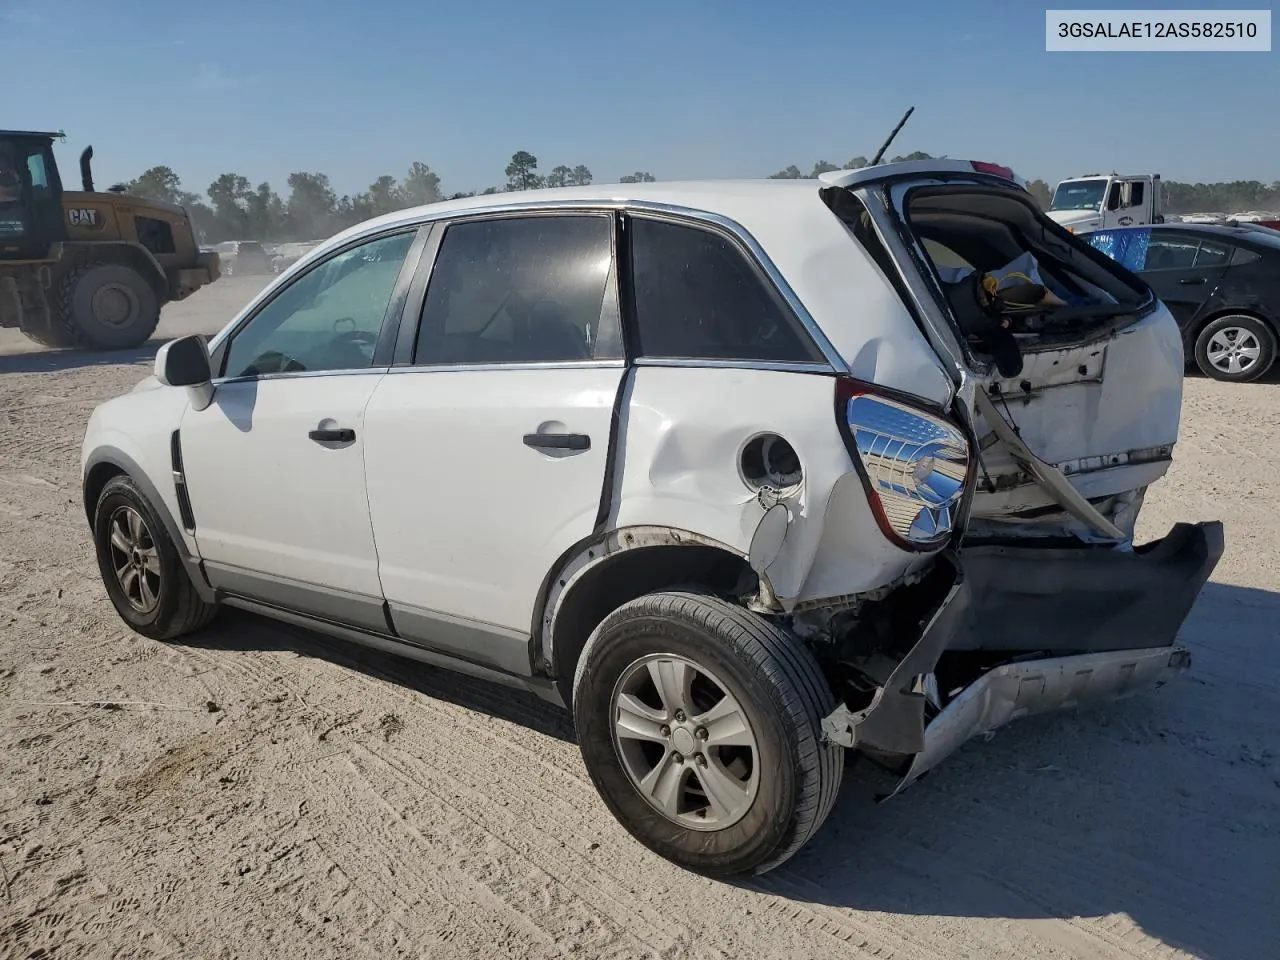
(681, 445)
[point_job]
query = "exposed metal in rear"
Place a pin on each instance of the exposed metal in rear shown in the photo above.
(1039, 599)
(1009, 602)
(1023, 689)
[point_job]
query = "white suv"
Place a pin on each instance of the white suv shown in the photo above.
(743, 473)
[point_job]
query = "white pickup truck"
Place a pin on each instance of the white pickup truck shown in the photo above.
(1102, 201)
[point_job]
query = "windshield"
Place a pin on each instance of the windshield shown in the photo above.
(1079, 195)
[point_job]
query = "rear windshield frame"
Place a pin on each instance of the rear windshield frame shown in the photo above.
(1142, 305)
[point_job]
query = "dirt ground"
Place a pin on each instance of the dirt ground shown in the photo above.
(260, 792)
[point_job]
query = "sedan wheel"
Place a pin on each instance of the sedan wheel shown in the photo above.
(1235, 349)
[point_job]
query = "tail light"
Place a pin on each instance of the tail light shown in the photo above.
(914, 464)
(997, 169)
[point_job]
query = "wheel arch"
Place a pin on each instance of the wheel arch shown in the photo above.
(133, 255)
(596, 578)
(1269, 322)
(106, 463)
(1272, 323)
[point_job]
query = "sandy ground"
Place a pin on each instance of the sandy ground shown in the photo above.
(262, 792)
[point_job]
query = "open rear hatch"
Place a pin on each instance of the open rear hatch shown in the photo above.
(1068, 373)
(1069, 368)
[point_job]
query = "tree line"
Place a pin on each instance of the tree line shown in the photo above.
(233, 209)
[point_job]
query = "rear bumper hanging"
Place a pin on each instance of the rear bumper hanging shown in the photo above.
(1124, 607)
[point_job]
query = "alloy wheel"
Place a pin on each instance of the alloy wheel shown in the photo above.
(685, 742)
(134, 559)
(1234, 350)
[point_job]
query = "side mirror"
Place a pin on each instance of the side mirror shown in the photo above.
(185, 363)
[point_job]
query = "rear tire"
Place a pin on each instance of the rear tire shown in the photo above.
(775, 801)
(140, 566)
(1239, 341)
(107, 306)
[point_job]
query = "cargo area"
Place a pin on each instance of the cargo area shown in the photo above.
(1013, 284)
(1072, 369)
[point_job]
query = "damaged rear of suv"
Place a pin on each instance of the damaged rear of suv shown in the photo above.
(1068, 393)
(745, 474)
(1004, 396)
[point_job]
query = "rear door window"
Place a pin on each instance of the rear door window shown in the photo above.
(529, 289)
(1171, 252)
(1212, 254)
(698, 297)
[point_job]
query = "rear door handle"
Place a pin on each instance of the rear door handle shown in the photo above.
(1191, 281)
(558, 441)
(335, 435)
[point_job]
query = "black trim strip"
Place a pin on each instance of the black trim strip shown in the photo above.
(180, 483)
(384, 349)
(407, 336)
(612, 452)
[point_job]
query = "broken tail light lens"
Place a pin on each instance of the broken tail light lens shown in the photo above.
(913, 463)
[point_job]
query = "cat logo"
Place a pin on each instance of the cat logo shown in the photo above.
(82, 217)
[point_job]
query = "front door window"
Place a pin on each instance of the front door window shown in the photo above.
(328, 319)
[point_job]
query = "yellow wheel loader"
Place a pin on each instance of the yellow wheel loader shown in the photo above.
(84, 268)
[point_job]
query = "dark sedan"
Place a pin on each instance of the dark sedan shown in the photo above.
(1222, 283)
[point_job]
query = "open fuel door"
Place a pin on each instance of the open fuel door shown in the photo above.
(1070, 368)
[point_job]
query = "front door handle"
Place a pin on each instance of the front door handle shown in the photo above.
(1191, 281)
(558, 441)
(335, 435)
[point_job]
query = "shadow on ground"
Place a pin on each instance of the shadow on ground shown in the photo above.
(1165, 808)
(53, 361)
(1272, 376)
(238, 630)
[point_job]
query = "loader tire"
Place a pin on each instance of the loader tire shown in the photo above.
(107, 306)
(51, 334)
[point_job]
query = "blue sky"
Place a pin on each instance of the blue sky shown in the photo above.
(698, 88)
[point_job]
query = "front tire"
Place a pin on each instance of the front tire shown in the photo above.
(1236, 349)
(700, 725)
(140, 566)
